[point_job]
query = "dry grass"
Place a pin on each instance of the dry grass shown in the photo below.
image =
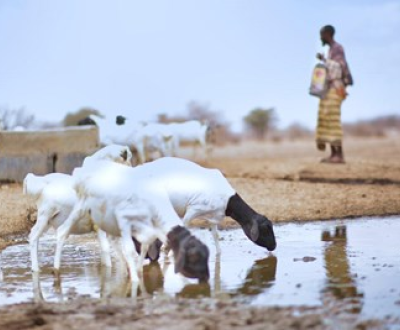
(17, 213)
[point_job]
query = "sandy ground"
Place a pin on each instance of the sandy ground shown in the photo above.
(284, 181)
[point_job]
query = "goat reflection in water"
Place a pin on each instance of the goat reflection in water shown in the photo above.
(111, 284)
(340, 281)
(260, 276)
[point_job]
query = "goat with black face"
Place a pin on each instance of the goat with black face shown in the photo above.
(196, 192)
(258, 228)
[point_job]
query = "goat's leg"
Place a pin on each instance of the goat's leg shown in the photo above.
(105, 282)
(214, 231)
(130, 254)
(194, 154)
(204, 146)
(163, 149)
(175, 146)
(192, 213)
(57, 285)
(105, 248)
(169, 146)
(122, 267)
(143, 253)
(1, 270)
(207, 149)
(140, 152)
(143, 289)
(37, 290)
(63, 232)
(217, 275)
(37, 231)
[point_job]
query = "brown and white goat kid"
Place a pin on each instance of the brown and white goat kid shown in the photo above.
(124, 204)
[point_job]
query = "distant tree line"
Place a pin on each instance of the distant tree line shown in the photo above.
(379, 126)
(259, 123)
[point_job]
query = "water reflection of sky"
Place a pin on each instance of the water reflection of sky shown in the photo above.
(356, 266)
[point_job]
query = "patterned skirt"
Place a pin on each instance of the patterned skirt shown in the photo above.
(329, 128)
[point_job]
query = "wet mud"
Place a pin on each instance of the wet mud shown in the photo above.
(343, 273)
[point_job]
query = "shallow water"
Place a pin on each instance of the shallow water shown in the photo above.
(351, 267)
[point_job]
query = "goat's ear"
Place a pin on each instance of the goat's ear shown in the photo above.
(154, 251)
(254, 232)
(124, 155)
(179, 260)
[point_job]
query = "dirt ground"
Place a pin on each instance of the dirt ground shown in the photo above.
(167, 314)
(284, 181)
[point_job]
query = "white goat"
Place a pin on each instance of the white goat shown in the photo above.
(167, 134)
(201, 193)
(111, 133)
(145, 139)
(149, 139)
(55, 198)
(192, 131)
(121, 203)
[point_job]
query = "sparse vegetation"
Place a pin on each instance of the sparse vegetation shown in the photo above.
(12, 118)
(379, 126)
(260, 121)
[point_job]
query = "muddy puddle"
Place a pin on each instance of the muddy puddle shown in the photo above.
(349, 267)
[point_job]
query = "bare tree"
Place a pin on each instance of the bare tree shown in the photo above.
(202, 112)
(11, 118)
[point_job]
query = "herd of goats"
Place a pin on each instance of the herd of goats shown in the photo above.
(140, 210)
(148, 139)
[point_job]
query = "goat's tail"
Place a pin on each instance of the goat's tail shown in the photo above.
(33, 185)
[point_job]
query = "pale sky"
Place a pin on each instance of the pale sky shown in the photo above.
(141, 58)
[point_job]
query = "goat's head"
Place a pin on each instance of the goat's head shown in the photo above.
(86, 121)
(256, 226)
(191, 255)
(266, 236)
(154, 249)
(125, 156)
(120, 120)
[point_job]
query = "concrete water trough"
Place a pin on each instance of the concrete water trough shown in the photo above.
(43, 152)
